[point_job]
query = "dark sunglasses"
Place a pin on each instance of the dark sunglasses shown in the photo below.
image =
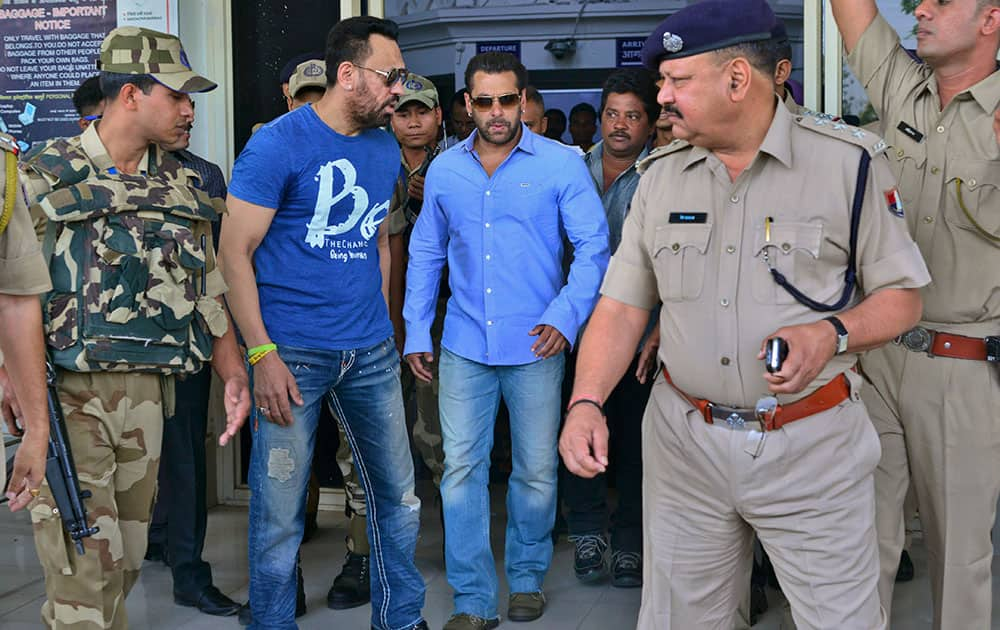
(392, 76)
(485, 103)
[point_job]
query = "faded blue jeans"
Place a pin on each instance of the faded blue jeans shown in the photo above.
(362, 387)
(469, 396)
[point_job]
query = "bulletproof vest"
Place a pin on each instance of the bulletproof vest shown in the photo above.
(126, 255)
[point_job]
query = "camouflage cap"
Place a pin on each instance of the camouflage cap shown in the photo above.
(134, 50)
(310, 73)
(420, 89)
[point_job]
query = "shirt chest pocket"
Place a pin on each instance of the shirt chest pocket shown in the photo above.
(680, 257)
(793, 249)
(908, 161)
(974, 196)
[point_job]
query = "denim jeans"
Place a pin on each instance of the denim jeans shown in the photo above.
(362, 387)
(469, 395)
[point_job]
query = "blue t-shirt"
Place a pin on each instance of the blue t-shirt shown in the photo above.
(318, 265)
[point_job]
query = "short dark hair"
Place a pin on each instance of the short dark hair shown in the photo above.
(636, 81)
(88, 95)
(583, 107)
(458, 98)
(763, 55)
(310, 89)
(113, 82)
(349, 40)
(496, 63)
(532, 95)
(555, 114)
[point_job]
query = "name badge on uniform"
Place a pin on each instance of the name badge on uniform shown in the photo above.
(894, 201)
(910, 131)
(688, 217)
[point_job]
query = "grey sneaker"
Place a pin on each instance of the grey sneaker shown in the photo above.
(626, 569)
(589, 558)
(526, 606)
(465, 621)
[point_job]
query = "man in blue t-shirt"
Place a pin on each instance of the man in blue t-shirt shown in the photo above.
(306, 257)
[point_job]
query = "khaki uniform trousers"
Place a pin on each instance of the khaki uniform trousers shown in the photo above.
(938, 422)
(115, 425)
(809, 496)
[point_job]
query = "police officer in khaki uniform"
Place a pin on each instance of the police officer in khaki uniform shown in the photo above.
(22, 279)
(758, 197)
(935, 395)
(136, 299)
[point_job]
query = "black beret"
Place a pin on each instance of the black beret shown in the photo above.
(708, 25)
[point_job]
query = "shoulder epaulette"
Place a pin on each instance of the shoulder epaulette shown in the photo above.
(658, 152)
(832, 127)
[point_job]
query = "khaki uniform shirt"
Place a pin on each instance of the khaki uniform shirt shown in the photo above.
(22, 268)
(39, 184)
(719, 299)
(955, 150)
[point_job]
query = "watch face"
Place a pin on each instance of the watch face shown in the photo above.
(841, 344)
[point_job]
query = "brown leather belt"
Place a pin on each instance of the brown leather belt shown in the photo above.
(939, 344)
(826, 397)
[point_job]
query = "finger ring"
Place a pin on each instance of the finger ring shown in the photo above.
(34, 491)
(263, 409)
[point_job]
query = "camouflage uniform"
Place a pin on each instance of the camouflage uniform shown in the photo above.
(22, 269)
(133, 303)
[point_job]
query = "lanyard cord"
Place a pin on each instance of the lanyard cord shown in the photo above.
(10, 192)
(850, 275)
(968, 215)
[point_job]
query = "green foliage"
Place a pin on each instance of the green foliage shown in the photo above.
(909, 6)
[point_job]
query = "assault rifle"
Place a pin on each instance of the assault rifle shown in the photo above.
(60, 471)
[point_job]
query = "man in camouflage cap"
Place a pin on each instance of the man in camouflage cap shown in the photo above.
(136, 299)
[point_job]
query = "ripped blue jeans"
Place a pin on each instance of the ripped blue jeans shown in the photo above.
(363, 389)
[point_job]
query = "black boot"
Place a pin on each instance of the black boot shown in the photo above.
(352, 588)
(905, 571)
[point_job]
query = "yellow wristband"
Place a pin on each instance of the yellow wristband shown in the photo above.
(254, 355)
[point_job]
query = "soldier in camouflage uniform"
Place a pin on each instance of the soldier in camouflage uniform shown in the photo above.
(22, 277)
(136, 299)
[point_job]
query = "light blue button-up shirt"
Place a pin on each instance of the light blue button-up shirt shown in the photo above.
(502, 237)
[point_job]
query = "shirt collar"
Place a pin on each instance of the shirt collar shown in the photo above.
(94, 147)
(777, 143)
(526, 143)
(987, 92)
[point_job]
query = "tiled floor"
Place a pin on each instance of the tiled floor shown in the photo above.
(571, 605)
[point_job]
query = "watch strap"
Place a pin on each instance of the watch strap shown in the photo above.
(841, 333)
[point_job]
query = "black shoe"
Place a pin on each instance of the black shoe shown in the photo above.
(210, 601)
(588, 559)
(626, 569)
(352, 588)
(244, 616)
(905, 571)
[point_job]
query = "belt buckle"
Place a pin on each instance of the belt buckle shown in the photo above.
(765, 410)
(917, 339)
(735, 421)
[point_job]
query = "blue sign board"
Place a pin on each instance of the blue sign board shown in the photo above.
(628, 52)
(512, 47)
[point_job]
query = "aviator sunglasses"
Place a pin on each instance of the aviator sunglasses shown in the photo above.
(485, 103)
(391, 76)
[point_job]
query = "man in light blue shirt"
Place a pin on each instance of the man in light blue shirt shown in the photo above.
(495, 208)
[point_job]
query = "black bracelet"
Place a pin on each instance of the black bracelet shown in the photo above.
(586, 401)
